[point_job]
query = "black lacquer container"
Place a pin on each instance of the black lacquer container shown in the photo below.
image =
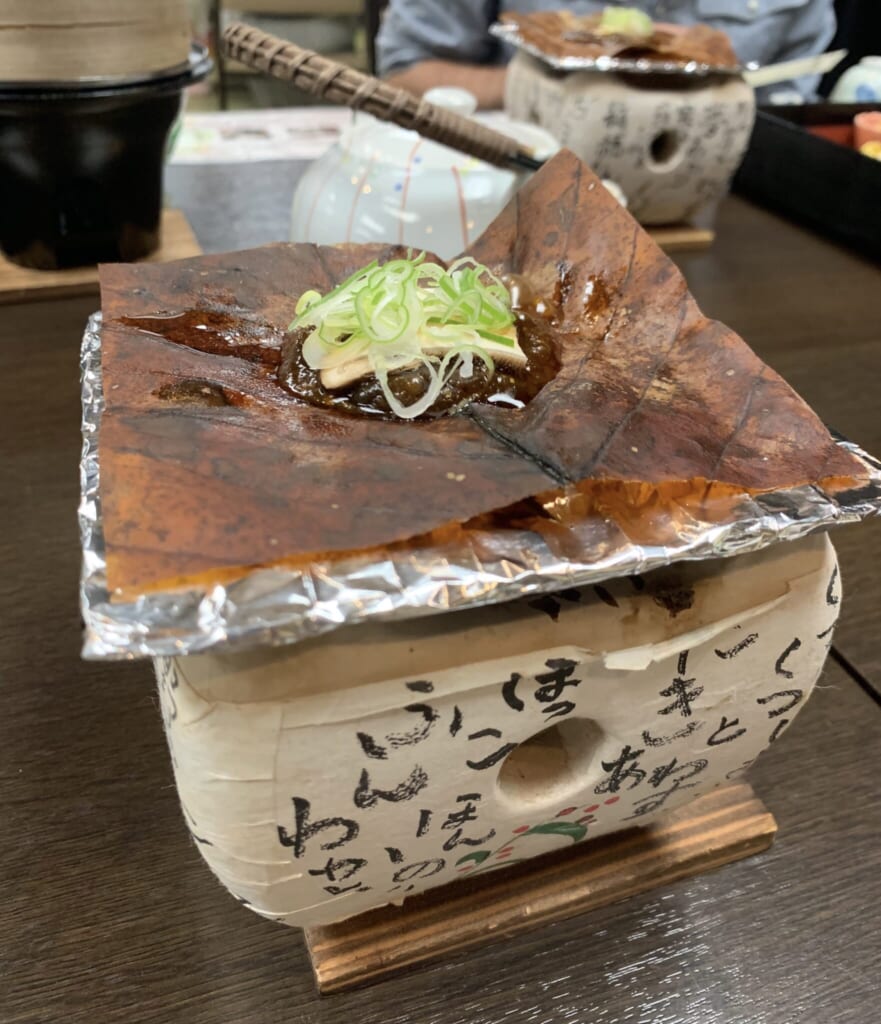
(81, 165)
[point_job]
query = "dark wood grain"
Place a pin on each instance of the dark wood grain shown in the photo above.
(109, 914)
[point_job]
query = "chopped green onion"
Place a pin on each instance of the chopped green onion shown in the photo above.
(306, 300)
(499, 339)
(410, 312)
(625, 21)
(326, 302)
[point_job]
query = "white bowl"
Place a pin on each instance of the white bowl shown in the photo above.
(381, 183)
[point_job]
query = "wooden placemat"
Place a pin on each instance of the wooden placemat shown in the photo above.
(22, 284)
(723, 826)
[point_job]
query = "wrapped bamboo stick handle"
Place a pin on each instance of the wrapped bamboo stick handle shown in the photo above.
(319, 76)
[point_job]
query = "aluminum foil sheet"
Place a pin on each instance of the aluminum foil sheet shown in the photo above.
(631, 65)
(282, 605)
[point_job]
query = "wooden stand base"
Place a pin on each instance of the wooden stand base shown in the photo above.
(682, 237)
(715, 829)
(22, 284)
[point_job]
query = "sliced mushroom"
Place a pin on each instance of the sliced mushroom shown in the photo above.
(335, 377)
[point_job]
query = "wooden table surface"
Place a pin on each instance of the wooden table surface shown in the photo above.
(110, 915)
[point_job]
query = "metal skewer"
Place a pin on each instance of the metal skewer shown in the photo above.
(338, 83)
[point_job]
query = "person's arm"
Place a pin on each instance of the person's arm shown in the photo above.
(487, 84)
(423, 43)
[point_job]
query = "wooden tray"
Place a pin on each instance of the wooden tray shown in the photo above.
(22, 284)
(723, 826)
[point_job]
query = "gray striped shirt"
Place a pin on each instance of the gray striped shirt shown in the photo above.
(760, 30)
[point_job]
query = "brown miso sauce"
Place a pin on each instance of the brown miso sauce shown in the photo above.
(221, 332)
(508, 387)
(216, 332)
(527, 302)
(595, 299)
(197, 391)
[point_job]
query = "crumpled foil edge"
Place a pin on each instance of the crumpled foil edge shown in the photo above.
(632, 65)
(277, 606)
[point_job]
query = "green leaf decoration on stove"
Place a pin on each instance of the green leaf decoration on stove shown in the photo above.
(571, 829)
(478, 856)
